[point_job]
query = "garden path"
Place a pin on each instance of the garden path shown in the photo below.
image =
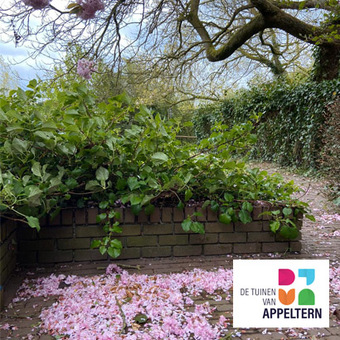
(320, 239)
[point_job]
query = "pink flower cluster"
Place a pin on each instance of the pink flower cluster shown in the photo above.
(89, 8)
(37, 4)
(85, 68)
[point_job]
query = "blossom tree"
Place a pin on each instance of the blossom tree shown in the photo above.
(183, 32)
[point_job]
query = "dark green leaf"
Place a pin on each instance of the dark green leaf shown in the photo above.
(225, 218)
(244, 216)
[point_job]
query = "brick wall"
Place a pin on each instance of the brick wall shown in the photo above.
(7, 253)
(68, 237)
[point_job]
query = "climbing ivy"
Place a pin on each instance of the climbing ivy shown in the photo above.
(289, 131)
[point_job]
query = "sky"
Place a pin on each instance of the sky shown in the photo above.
(18, 57)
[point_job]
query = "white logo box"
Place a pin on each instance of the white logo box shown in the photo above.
(256, 300)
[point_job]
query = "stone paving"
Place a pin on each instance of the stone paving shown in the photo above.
(24, 316)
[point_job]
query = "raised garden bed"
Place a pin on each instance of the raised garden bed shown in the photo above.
(68, 236)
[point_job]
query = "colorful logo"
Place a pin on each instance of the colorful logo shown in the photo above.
(281, 293)
(306, 296)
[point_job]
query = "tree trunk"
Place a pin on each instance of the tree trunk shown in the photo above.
(327, 62)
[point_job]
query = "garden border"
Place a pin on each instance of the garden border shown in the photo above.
(67, 237)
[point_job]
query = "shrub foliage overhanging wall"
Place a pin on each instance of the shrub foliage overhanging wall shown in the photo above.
(289, 131)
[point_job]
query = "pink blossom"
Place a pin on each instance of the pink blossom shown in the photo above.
(89, 8)
(112, 269)
(85, 68)
(37, 4)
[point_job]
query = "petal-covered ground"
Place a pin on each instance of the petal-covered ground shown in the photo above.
(119, 305)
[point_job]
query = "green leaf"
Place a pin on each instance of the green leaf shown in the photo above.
(101, 217)
(71, 183)
(274, 226)
(228, 197)
(244, 216)
(287, 211)
(102, 250)
(159, 158)
(197, 227)
(36, 169)
(276, 212)
(225, 218)
(96, 244)
(214, 206)
(121, 184)
(247, 206)
(188, 195)
(19, 145)
(206, 204)
(141, 318)
(133, 183)
(135, 199)
(33, 222)
(136, 209)
(103, 204)
(116, 244)
(113, 252)
(186, 224)
(92, 185)
(310, 217)
(149, 209)
(102, 174)
(289, 232)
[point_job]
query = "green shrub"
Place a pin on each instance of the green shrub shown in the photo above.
(59, 148)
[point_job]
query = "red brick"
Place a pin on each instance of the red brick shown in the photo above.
(90, 231)
(89, 255)
(232, 237)
(92, 214)
(80, 216)
(261, 236)
(189, 211)
(155, 217)
(157, 229)
(295, 246)
(166, 215)
(141, 241)
(203, 239)
(54, 221)
(266, 226)
(67, 217)
(142, 217)
(178, 215)
(131, 230)
(55, 256)
(252, 226)
(279, 247)
(256, 212)
(212, 215)
(74, 243)
(203, 212)
(218, 227)
(130, 253)
(56, 232)
(187, 250)
(172, 240)
(246, 248)
(217, 249)
(156, 251)
(129, 217)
